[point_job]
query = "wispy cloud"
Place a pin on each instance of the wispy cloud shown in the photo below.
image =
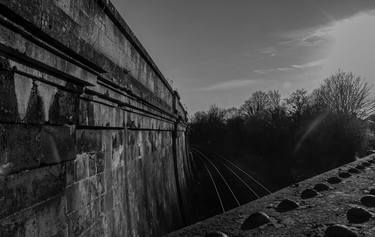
(269, 70)
(306, 37)
(263, 71)
(228, 85)
(270, 51)
(316, 63)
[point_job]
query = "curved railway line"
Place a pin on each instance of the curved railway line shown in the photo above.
(231, 185)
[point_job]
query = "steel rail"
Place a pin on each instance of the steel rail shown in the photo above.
(252, 191)
(220, 174)
(247, 174)
(213, 183)
(242, 181)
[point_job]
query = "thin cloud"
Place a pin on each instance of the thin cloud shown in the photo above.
(284, 69)
(270, 51)
(306, 37)
(315, 37)
(228, 85)
(279, 69)
(316, 63)
(264, 71)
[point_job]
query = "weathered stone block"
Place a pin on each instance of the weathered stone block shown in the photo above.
(94, 189)
(64, 106)
(35, 110)
(108, 201)
(119, 220)
(69, 167)
(108, 180)
(71, 193)
(44, 220)
(25, 147)
(81, 167)
(101, 205)
(78, 195)
(79, 221)
(86, 113)
(109, 224)
(100, 183)
(22, 190)
(92, 164)
(98, 229)
(58, 144)
(8, 103)
(89, 140)
(20, 147)
(100, 162)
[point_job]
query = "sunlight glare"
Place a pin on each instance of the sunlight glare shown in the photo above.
(354, 46)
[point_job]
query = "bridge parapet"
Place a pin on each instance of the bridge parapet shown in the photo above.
(90, 142)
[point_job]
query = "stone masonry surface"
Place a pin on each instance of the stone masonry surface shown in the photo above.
(92, 136)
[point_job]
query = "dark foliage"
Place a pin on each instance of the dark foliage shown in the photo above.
(291, 140)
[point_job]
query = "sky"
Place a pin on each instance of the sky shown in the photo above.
(219, 51)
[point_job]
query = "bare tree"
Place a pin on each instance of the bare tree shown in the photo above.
(274, 99)
(258, 102)
(231, 113)
(198, 117)
(216, 114)
(346, 93)
(298, 101)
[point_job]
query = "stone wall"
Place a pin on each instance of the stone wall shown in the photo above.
(92, 136)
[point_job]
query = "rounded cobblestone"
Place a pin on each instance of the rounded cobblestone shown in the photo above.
(308, 193)
(216, 234)
(360, 167)
(339, 231)
(286, 205)
(368, 200)
(255, 220)
(354, 171)
(334, 180)
(320, 187)
(358, 215)
(366, 164)
(344, 175)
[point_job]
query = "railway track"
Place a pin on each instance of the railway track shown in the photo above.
(231, 185)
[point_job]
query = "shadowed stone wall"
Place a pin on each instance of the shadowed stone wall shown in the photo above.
(92, 136)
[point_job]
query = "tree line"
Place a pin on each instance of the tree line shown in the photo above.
(296, 137)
